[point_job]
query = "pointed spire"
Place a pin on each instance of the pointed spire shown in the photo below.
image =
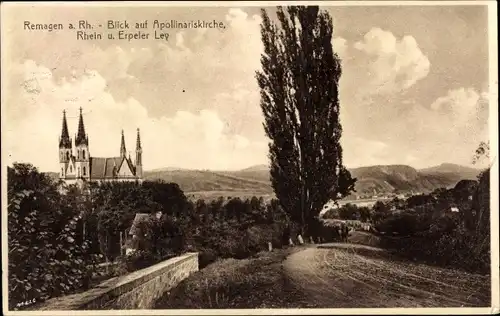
(138, 142)
(81, 137)
(64, 133)
(123, 150)
(138, 157)
(65, 141)
(138, 154)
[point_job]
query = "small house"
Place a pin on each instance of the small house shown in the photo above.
(135, 233)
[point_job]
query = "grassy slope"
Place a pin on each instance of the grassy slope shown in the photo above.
(257, 282)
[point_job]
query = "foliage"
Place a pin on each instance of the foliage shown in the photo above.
(140, 259)
(228, 283)
(349, 211)
(299, 100)
(56, 236)
(47, 256)
(116, 205)
(429, 230)
(236, 229)
(482, 152)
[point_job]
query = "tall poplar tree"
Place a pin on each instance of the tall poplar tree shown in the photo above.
(299, 99)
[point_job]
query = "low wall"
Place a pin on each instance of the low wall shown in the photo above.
(137, 290)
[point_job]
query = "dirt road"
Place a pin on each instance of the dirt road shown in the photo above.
(348, 275)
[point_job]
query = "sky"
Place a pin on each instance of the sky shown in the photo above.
(414, 88)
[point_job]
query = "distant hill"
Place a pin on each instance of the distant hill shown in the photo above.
(371, 180)
(401, 178)
(457, 172)
(203, 180)
(256, 168)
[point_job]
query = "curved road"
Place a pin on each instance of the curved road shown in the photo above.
(348, 275)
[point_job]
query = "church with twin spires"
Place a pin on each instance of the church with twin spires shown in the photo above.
(78, 165)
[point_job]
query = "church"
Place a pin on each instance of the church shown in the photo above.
(77, 165)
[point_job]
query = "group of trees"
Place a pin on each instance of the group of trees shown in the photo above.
(349, 212)
(202, 226)
(57, 237)
(449, 227)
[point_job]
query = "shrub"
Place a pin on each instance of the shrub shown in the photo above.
(140, 259)
(206, 256)
(46, 258)
(430, 232)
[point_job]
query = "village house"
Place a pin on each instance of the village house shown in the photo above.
(135, 234)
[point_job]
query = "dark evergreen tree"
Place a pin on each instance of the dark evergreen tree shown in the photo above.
(299, 99)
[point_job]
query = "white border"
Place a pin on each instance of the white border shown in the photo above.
(245, 3)
(493, 123)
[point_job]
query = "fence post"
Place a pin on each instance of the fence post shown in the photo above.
(121, 244)
(301, 240)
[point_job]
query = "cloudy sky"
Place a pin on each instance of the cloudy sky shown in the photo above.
(414, 88)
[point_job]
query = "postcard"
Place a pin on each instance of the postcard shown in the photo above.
(249, 158)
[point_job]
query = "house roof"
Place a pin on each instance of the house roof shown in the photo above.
(139, 217)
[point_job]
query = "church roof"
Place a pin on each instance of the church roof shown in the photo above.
(106, 167)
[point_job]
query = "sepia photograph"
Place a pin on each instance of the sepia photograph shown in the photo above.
(249, 158)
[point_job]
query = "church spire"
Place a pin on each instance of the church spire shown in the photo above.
(65, 141)
(81, 137)
(138, 142)
(138, 156)
(123, 150)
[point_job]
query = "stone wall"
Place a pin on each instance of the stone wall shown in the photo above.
(137, 290)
